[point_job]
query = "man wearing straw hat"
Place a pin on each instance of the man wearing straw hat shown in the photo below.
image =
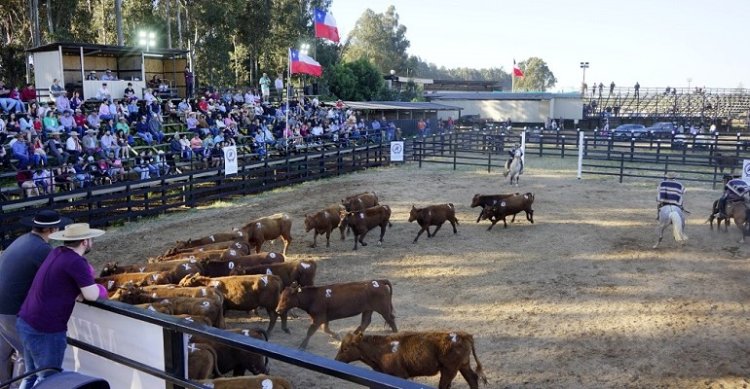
(19, 264)
(64, 277)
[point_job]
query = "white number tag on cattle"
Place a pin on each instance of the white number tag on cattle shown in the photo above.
(264, 279)
(502, 204)
(151, 308)
(454, 337)
(205, 303)
(246, 332)
(200, 249)
(272, 255)
(230, 265)
(232, 253)
(494, 202)
(192, 348)
(257, 225)
(110, 284)
(305, 265)
(375, 284)
(192, 257)
(186, 266)
(203, 292)
(154, 277)
(141, 269)
(361, 215)
(328, 293)
(239, 233)
(192, 260)
(212, 238)
(154, 295)
(266, 384)
(214, 283)
(268, 271)
(189, 319)
(526, 196)
(394, 346)
(238, 245)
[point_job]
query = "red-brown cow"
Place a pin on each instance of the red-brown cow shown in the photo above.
(202, 361)
(203, 307)
(360, 201)
(338, 301)
(510, 206)
(269, 228)
(484, 201)
(301, 272)
(259, 381)
(261, 258)
(225, 268)
(323, 222)
(113, 282)
(235, 360)
(239, 245)
(211, 239)
(433, 215)
(113, 268)
(245, 293)
(414, 354)
(362, 222)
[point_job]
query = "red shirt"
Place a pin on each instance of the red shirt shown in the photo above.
(79, 119)
(203, 105)
(28, 94)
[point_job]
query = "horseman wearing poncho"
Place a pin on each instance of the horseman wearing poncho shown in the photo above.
(670, 192)
(734, 190)
(670, 196)
(512, 152)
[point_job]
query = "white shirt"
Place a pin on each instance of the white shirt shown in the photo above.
(70, 144)
(103, 93)
(317, 130)
(279, 83)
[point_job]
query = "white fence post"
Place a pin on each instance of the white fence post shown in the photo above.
(580, 153)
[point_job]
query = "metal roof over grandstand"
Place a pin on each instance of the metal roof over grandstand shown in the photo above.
(400, 106)
(91, 48)
(500, 95)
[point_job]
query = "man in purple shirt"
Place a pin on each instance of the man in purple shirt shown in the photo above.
(65, 276)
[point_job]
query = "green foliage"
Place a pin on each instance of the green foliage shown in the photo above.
(379, 38)
(12, 65)
(358, 81)
(537, 76)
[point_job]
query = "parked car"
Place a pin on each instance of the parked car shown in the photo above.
(661, 130)
(627, 131)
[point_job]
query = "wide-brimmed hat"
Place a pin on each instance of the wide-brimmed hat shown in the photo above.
(76, 231)
(671, 175)
(53, 133)
(46, 218)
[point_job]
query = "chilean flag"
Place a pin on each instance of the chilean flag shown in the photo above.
(325, 26)
(301, 63)
(516, 70)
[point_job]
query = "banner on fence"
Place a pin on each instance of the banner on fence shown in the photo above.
(230, 160)
(397, 151)
(746, 170)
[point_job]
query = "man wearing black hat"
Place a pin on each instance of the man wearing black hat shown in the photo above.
(19, 264)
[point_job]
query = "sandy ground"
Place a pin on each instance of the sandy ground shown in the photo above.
(577, 300)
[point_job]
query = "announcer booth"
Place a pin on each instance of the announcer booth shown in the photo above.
(71, 63)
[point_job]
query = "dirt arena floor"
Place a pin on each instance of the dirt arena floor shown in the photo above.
(577, 300)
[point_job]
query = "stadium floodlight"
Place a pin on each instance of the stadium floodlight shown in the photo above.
(584, 66)
(147, 39)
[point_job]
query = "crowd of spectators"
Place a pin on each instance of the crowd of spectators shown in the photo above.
(68, 142)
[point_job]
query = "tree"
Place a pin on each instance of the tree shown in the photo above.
(358, 81)
(379, 38)
(537, 76)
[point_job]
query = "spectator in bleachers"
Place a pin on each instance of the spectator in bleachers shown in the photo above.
(20, 150)
(66, 121)
(217, 155)
(56, 148)
(155, 127)
(196, 145)
(103, 93)
(41, 111)
(122, 125)
(8, 104)
(82, 177)
(279, 84)
(37, 149)
(50, 123)
(203, 125)
(56, 89)
(25, 181)
(203, 105)
(184, 109)
(43, 180)
(133, 110)
(64, 176)
(187, 152)
(143, 132)
(4, 158)
(116, 169)
(129, 92)
(148, 96)
(75, 101)
(113, 109)
(109, 144)
(12, 126)
(93, 122)
(92, 76)
(238, 98)
(62, 102)
(81, 122)
(26, 125)
(108, 76)
(3, 131)
(104, 111)
(73, 146)
(160, 162)
(141, 167)
(124, 140)
(90, 144)
(188, 82)
(28, 93)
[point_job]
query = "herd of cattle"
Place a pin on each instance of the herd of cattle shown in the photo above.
(199, 279)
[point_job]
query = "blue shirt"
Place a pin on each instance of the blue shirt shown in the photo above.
(670, 192)
(20, 148)
(19, 264)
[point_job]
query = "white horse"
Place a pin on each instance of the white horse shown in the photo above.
(671, 214)
(515, 167)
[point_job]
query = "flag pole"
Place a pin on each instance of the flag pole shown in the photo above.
(288, 87)
(513, 77)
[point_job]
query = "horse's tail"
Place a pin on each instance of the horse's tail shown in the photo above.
(677, 226)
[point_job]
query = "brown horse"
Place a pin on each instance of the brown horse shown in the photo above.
(739, 212)
(715, 215)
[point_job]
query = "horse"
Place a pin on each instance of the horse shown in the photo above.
(514, 169)
(719, 219)
(738, 211)
(671, 214)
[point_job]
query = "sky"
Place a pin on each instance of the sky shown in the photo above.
(657, 43)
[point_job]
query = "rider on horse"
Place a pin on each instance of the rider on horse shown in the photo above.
(516, 148)
(670, 192)
(734, 189)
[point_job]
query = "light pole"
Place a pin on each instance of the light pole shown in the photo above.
(147, 38)
(584, 66)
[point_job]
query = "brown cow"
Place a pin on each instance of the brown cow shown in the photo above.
(207, 307)
(132, 294)
(414, 354)
(236, 360)
(112, 268)
(245, 293)
(113, 282)
(165, 308)
(484, 201)
(338, 301)
(195, 319)
(362, 222)
(211, 255)
(239, 245)
(509, 206)
(301, 272)
(261, 257)
(224, 268)
(202, 362)
(259, 381)
(214, 238)
(269, 228)
(360, 201)
(433, 215)
(323, 222)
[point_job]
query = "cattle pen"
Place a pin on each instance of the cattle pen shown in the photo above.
(575, 300)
